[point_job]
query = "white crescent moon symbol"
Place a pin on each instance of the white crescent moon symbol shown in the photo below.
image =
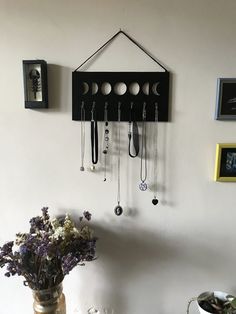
(154, 88)
(85, 88)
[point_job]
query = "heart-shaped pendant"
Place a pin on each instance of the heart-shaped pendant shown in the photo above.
(155, 201)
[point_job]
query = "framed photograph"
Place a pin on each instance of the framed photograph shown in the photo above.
(226, 99)
(225, 166)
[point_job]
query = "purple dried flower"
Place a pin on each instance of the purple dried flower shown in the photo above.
(68, 263)
(36, 224)
(7, 248)
(45, 214)
(87, 215)
(44, 246)
(23, 249)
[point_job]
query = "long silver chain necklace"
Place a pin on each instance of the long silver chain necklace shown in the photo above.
(143, 168)
(106, 140)
(118, 209)
(82, 135)
(155, 200)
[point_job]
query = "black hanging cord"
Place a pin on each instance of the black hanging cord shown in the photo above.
(133, 133)
(132, 40)
(94, 136)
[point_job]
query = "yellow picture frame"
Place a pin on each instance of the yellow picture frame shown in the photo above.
(222, 174)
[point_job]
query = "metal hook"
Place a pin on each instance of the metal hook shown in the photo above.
(144, 110)
(82, 105)
(156, 111)
(156, 106)
(106, 105)
(92, 111)
(131, 105)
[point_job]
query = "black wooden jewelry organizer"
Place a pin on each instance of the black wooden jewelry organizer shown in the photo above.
(158, 92)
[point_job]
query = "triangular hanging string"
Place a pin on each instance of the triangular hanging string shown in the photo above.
(132, 40)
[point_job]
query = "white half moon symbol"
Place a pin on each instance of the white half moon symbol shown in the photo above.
(154, 88)
(94, 88)
(145, 88)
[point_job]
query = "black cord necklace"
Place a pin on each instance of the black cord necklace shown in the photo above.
(155, 200)
(133, 135)
(118, 209)
(94, 137)
(143, 168)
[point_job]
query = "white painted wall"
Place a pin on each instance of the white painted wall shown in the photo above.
(154, 260)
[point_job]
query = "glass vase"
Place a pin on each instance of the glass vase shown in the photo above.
(49, 301)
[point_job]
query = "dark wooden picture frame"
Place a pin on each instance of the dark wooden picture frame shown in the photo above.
(226, 99)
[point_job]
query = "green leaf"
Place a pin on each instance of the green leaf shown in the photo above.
(233, 303)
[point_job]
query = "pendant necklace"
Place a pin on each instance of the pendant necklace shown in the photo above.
(133, 135)
(118, 209)
(82, 135)
(94, 138)
(155, 200)
(143, 168)
(106, 140)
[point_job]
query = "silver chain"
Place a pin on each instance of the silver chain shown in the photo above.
(118, 164)
(82, 135)
(143, 172)
(156, 150)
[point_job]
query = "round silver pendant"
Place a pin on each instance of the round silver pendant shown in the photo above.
(81, 168)
(143, 186)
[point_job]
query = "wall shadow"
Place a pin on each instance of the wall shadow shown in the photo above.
(59, 83)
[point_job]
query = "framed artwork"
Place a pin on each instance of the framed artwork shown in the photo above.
(226, 99)
(225, 165)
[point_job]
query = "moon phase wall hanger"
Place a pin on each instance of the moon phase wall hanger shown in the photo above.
(153, 88)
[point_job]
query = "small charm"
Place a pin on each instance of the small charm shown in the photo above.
(143, 186)
(155, 201)
(81, 168)
(118, 210)
(92, 168)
